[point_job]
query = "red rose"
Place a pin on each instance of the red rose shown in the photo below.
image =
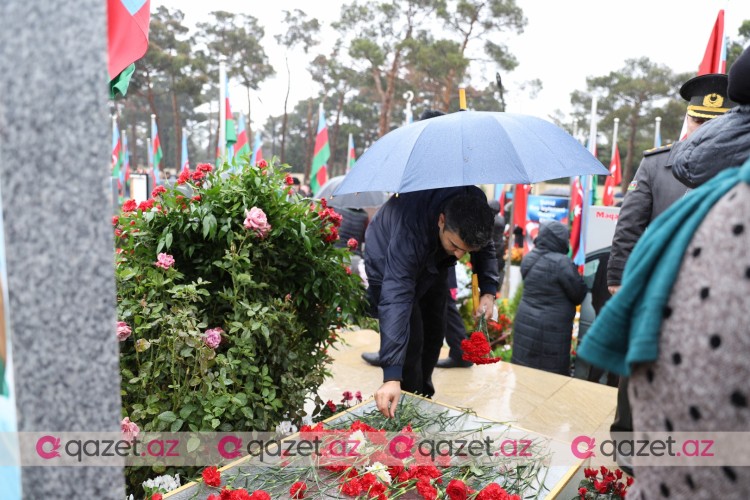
(298, 490)
(262, 164)
(352, 244)
(129, 206)
(204, 167)
(288, 180)
(157, 191)
(115, 220)
(197, 175)
(184, 177)
(211, 476)
(457, 490)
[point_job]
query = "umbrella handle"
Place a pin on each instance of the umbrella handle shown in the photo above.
(475, 292)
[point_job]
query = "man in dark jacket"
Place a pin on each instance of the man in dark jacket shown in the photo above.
(411, 242)
(552, 288)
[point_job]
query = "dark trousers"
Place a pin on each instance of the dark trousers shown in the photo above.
(427, 331)
(455, 331)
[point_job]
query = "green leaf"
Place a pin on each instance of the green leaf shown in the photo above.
(176, 425)
(167, 417)
(193, 444)
(168, 240)
(215, 423)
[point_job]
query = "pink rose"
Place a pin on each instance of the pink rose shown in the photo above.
(352, 244)
(123, 331)
(212, 337)
(255, 220)
(164, 260)
(129, 429)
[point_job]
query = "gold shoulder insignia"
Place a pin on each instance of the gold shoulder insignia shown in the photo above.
(655, 151)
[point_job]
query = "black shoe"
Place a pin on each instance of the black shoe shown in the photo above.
(453, 363)
(372, 358)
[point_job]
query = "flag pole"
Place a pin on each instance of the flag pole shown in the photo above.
(222, 111)
(657, 132)
(580, 257)
(149, 153)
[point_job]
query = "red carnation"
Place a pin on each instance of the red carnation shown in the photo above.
(582, 491)
(426, 490)
(184, 177)
(351, 488)
(298, 490)
(457, 490)
(156, 496)
(157, 191)
(211, 476)
(197, 175)
(260, 495)
(331, 406)
(494, 491)
(204, 167)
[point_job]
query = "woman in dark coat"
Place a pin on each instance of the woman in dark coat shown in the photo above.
(552, 289)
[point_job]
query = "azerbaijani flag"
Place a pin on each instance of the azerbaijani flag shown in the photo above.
(185, 159)
(125, 172)
(520, 203)
(116, 151)
(242, 146)
(231, 131)
(576, 209)
(127, 40)
(351, 157)
(257, 150)
(614, 178)
(319, 168)
(157, 152)
(715, 57)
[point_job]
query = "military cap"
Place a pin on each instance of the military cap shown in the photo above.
(707, 96)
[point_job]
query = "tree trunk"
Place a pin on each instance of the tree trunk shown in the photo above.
(286, 101)
(310, 140)
(248, 128)
(334, 138)
(628, 170)
(177, 128)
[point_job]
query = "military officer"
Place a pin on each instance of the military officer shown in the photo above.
(654, 188)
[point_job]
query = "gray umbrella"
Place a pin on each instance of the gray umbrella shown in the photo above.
(368, 199)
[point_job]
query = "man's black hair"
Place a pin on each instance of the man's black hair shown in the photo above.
(430, 113)
(471, 218)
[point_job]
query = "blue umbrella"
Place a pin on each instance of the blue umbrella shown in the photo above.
(469, 147)
(369, 199)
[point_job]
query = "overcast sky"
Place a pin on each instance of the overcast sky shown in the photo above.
(564, 42)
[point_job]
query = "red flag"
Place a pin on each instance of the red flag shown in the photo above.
(614, 179)
(714, 60)
(502, 203)
(127, 33)
(576, 209)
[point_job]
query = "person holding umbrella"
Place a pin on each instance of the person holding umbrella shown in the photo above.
(411, 243)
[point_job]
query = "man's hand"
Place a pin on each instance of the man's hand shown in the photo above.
(486, 305)
(386, 398)
(613, 289)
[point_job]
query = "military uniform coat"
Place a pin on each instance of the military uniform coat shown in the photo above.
(652, 191)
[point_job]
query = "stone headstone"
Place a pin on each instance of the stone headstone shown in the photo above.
(54, 156)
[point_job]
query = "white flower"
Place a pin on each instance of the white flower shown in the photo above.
(381, 471)
(286, 427)
(165, 483)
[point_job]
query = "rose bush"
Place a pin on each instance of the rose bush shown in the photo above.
(228, 290)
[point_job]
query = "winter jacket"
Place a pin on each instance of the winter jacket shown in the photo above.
(552, 288)
(720, 143)
(652, 191)
(402, 257)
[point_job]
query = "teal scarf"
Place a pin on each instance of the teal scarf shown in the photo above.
(628, 327)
